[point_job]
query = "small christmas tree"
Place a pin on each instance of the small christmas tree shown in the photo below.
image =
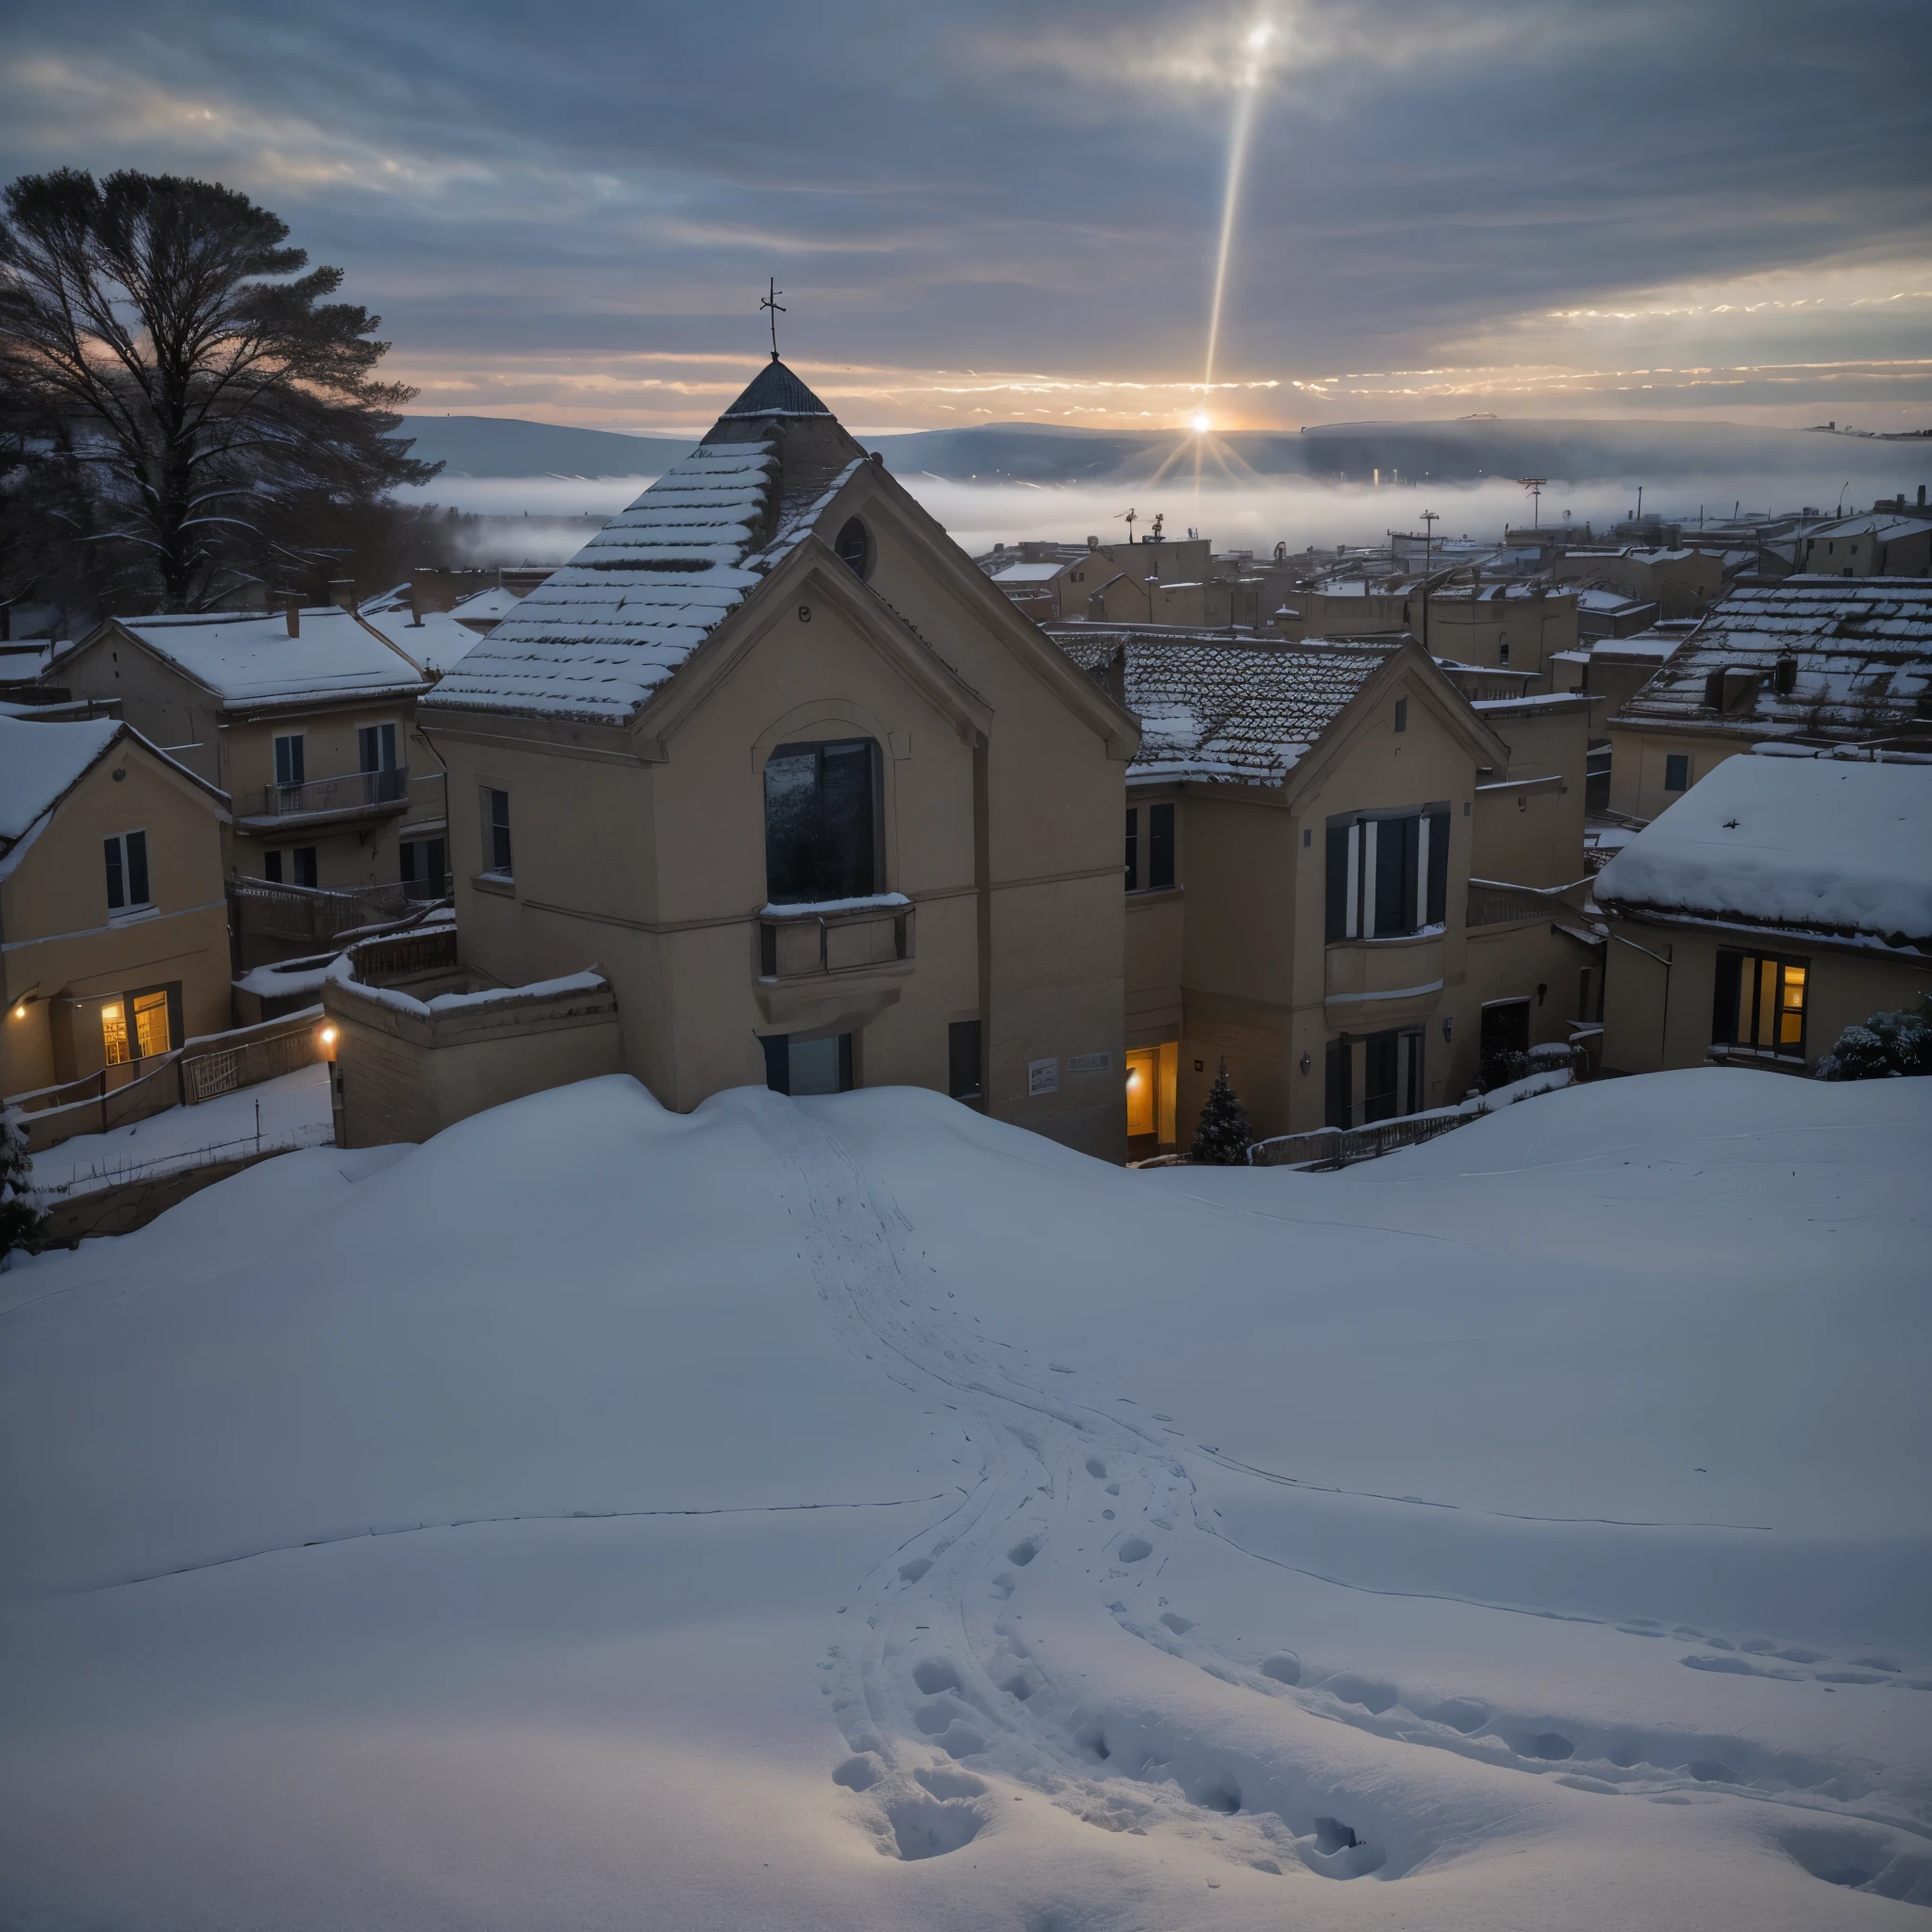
(20, 1220)
(1223, 1137)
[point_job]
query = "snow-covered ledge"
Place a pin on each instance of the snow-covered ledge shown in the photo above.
(409, 1066)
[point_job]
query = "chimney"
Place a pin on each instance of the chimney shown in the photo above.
(1922, 496)
(342, 593)
(1094, 542)
(291, 613)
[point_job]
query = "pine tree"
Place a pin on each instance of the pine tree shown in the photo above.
(180, 369)
(21, 1222)
(1223, 1137)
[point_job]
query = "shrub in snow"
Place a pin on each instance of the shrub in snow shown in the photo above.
(1504, 1069)
(1885, 1047)
(21, 1222)
(1223, 1137)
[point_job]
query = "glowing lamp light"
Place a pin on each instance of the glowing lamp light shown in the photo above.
(328, 1036)
(1133, 1077)
(1199, 424)
(20, 1012)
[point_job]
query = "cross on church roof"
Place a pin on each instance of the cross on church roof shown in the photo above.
(770, 300)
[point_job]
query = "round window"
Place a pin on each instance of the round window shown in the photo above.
(854, 546)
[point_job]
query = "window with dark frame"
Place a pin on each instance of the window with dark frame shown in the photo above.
(1760, 1003)
(302, 858)
(803, 1067)
(1133, 866)
(127, 864)
(497, 848)
(821, 821)
(377, 745)
(1387, 873)
(854, 547)
(289, 761)
(1677, 771)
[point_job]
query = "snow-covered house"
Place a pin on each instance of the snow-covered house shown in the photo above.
(1787, 896)
(304, 719)
(1889, 542)
(115, 927)
(1810, 661)
(1341, 877)
(821, 807)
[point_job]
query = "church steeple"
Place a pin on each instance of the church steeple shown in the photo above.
(775, 391)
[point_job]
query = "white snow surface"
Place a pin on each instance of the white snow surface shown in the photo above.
(39, 763)
(1813, 844)
(596, 637)
(254, 660)
(855, 1513)
(293, 1110)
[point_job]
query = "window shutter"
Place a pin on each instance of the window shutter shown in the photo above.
(117, 897)
(1438, 868)
(1159, 847)
(1133, 866)
(136, 868)
(1723, 1013)
(1340, 839)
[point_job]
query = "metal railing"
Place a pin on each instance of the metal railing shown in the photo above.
(1338, 1147)
(308, 913)
(207, 1075)
(352, 791)
(377, 960)
(1491, 901)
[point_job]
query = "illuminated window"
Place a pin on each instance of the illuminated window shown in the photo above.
(1760, 1005)
(151, 1022)
(136, 1026)
(114, 1032)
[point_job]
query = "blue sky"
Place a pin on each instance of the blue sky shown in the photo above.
(990, 210)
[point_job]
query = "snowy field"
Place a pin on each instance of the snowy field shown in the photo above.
(850, 1513)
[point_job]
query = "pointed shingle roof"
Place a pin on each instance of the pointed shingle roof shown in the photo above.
(775, 391)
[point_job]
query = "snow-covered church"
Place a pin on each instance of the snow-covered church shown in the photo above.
(768, 785)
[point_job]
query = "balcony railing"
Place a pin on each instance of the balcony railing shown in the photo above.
(352, 791)
(841, 936)
(305, 912)
(1493, 903)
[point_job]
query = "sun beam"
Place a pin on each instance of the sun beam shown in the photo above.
(1247, 87)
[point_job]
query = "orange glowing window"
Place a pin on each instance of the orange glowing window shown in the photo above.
(1141, 1070)
(114, 1032)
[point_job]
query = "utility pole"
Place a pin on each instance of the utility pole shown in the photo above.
(1535, 486)
(1430, 519)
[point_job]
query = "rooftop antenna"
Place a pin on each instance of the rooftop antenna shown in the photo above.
(1430, 518)
(1128, 517)
(770, 300)
(1535, 486)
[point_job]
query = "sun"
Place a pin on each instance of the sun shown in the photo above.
(1199, 424)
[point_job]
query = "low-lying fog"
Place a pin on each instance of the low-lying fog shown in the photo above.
(1252, 516)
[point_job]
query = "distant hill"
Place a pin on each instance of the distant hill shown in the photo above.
(1461, 451)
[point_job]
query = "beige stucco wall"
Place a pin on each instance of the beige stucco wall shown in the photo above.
(1474, 630)
(60, 945)
(1662, 981)
(405, 1075)
(644, 850)
(1530, 822)
(1637, 765)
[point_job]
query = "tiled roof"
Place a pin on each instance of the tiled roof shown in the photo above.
(1209, 710)
(775, 391)
(596, 637)
(1861, 663)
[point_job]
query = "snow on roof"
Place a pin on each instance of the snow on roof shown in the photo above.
(1589, 598)
(439, 641)
(40, 762)
(1887, 526)
(596, 637)
(487, 605)
(1220, 712)
(1861, 652)
(253, 660)
(1030, 572)
(1820, 844)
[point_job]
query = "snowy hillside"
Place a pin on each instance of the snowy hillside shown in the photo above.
(854, 1514)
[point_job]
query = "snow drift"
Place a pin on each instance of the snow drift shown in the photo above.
(853, 1512)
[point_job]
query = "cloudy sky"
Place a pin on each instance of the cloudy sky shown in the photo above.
(999, 210)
